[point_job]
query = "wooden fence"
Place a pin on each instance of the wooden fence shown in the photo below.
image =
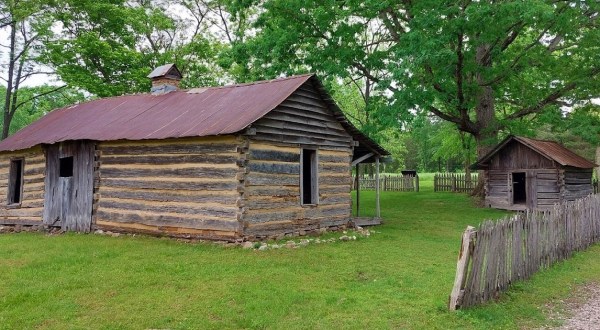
(389, 183)
(454, 182)
(514, 248)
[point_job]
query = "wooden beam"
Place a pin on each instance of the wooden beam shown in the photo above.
(377, 204)
(358, 189)
(461, 268)
(365, 157)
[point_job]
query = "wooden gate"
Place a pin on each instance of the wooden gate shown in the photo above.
(69, 185)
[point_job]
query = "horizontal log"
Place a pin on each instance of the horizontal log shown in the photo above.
(167, 196)
(584, 187)
(547, 176)
(164, 207)
(33, 180)
(21, 212)
(547, 189)
(116, 183)
(274, 155)
(279, 137)
(168, 230)
(335, 180)
(587, 180)
(331, 124)
(261, 179)
(339, 168)
(274, 168)
(332, 189)
(294, 132)
(213, 139)
(169, 149)
(275, 191)
(175, 159)
(166, 220)
(35, 203)
(24, 221)
(33, 187)
(197, 172)
(292, 109)
(289, 124)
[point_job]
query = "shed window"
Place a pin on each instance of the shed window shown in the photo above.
(309, 190)
(15, 182)
(66, 167)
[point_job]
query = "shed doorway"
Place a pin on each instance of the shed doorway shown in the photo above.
(519, 184)
(69, 186)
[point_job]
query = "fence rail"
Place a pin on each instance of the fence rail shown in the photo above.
(514, 248)
(454, 182)
(389, 183)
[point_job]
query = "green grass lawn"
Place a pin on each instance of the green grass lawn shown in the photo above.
(400, 277)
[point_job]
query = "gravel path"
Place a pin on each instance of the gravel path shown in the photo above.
(584, 315)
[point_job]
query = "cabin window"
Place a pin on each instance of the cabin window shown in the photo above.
(308, 177)
(15, 183)
(66, 167)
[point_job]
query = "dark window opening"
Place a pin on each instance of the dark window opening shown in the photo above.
(15, 184)
(309, 176)
(66, 167)
(519, 188)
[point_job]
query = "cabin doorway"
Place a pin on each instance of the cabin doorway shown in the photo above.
(519, 183)
(69, 186)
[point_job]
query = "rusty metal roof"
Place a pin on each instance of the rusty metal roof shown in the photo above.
(549, 149)
(197, 112)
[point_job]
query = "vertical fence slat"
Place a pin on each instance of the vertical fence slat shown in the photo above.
(516, 247)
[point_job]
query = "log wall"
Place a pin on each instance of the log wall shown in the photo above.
(271, 197)
(577, 183)
(31, 208)
(175, 186)
(543, 188)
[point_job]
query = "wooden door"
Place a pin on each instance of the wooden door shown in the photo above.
(69, 185)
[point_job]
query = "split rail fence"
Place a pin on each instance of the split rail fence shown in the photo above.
(514, 248)
(388, 183)
(454, 182)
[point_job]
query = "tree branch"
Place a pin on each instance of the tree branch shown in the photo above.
(39, 95)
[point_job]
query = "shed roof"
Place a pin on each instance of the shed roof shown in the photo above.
(549, 149)
(192, 113)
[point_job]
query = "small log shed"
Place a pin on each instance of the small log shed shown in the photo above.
(522, 173)
(243, 161)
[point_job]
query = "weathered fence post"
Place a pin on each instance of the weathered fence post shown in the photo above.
(417, 183)
(462, 266)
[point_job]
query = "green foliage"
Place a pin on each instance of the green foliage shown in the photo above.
(33, 106)
(398, 278)
(108, 47)
(479, 65)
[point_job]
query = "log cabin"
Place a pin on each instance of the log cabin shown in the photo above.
(522, 173)
(247, 161)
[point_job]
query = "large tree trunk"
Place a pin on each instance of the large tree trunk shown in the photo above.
(598, 162)
(485, 116)
(7, 118)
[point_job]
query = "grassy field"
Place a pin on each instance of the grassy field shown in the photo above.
(400, 278)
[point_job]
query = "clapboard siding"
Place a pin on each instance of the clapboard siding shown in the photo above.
(271, 197)
(32, 202)
(518, 156)
(175, 186)
(303, 118)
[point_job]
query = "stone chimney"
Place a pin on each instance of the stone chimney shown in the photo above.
(165, 79)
